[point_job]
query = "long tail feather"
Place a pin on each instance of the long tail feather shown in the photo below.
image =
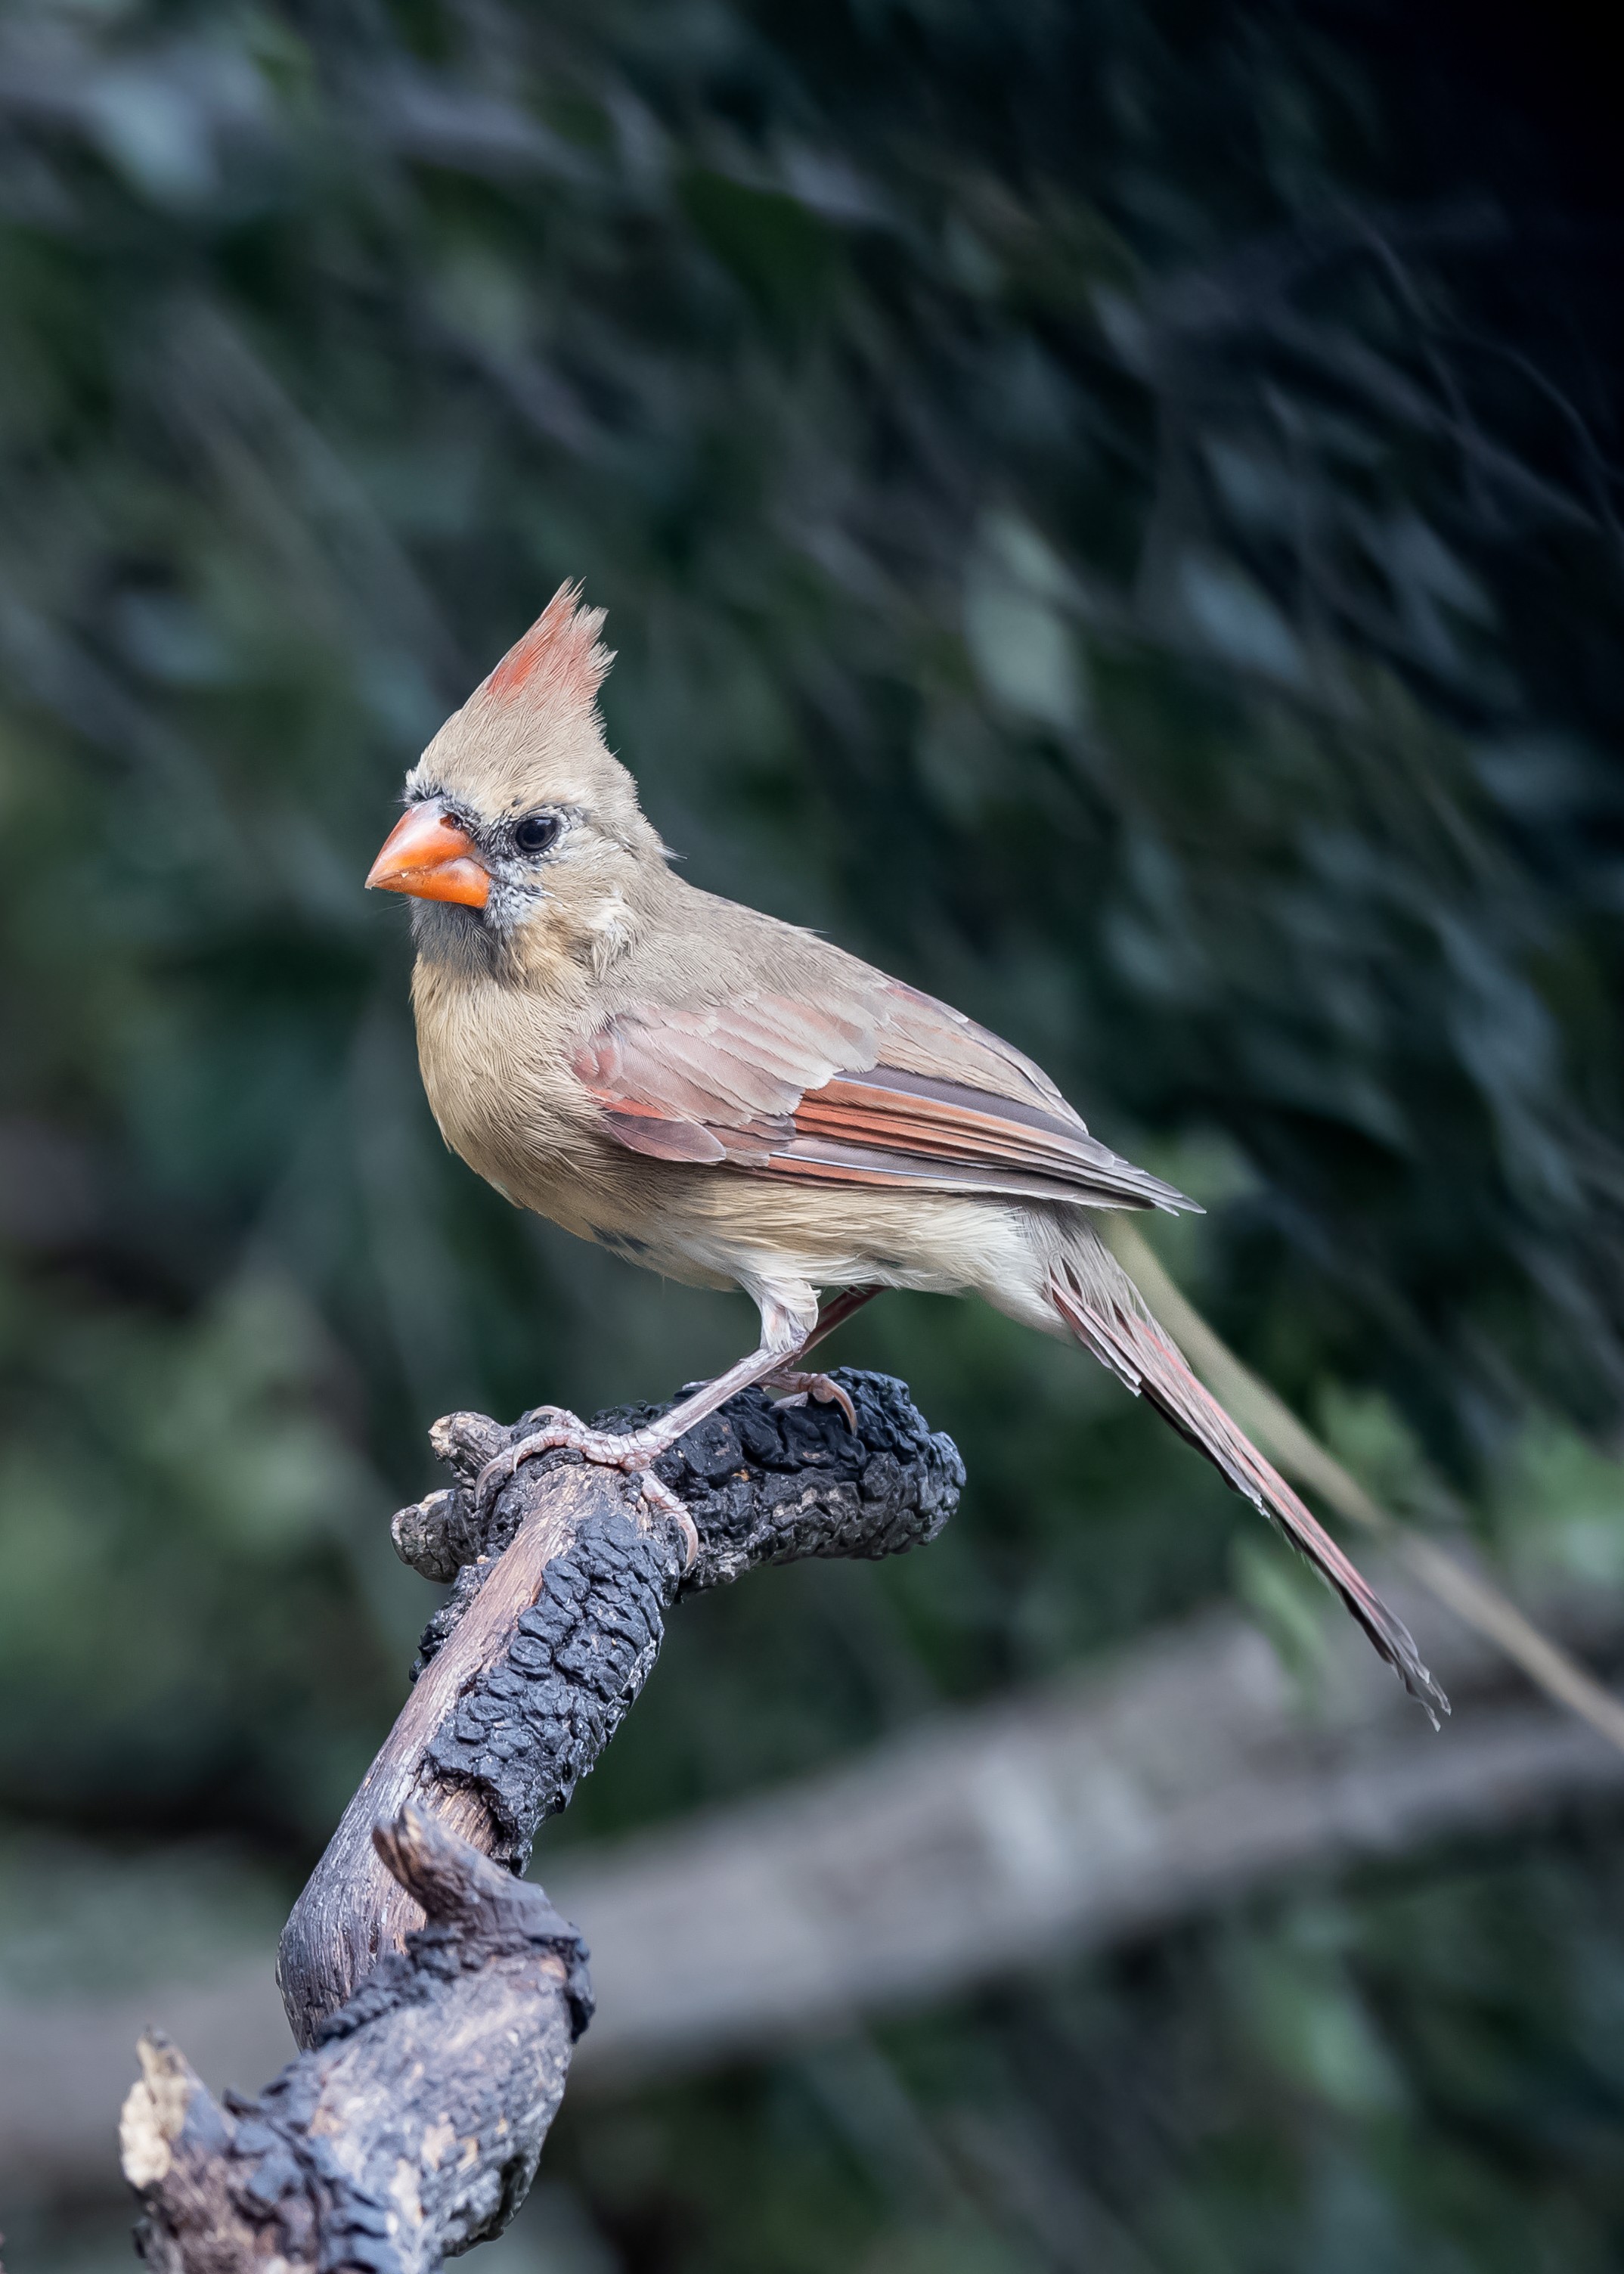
(1104, 1310)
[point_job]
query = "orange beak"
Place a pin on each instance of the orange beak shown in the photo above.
(430, 857)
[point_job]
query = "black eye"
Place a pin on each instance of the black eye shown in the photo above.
(537, 832)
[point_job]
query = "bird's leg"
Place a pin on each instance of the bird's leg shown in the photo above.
(801, 1386)
(783, 1337)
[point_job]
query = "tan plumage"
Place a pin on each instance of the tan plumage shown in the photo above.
(733, 1102)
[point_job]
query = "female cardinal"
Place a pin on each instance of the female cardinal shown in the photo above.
(735, 1102)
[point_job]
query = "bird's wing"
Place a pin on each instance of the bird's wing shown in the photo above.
(871, 1084)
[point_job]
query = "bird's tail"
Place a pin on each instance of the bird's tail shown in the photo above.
(1103, 1308)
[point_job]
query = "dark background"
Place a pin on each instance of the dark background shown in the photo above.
(1111, 510)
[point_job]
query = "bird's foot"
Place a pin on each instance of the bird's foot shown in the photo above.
(634, 1454)
(822, 1387)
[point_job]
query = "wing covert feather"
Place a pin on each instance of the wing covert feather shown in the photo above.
(882, 1086)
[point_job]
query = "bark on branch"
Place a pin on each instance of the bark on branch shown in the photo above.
(436, 1996)
(412, 2128)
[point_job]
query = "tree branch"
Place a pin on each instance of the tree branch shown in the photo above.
(1189, 1774)
(414, 2125)
(435, 1995)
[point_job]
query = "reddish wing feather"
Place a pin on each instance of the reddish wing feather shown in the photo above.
(782, 1086)
(778, 1087)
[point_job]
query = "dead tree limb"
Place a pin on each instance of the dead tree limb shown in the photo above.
(435, 1995)
(1190, 1775)
(414, 2125)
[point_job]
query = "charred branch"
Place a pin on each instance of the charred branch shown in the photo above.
(556, 1616)
(436, 1995)
(412, 2127)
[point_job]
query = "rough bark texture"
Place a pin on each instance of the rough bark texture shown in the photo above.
(436, 2053)
(763, 1484)
(412, 2128)
(556, 1616)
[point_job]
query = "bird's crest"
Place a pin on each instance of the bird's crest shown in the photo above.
(560, 662)
(530, 732)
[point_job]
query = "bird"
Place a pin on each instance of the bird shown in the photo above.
(737, 1102)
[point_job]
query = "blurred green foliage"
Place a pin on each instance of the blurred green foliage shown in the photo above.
(1109, 510)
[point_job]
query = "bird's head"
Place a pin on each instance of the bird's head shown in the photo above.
(522, 838)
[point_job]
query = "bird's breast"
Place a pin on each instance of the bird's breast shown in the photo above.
(495, 1067)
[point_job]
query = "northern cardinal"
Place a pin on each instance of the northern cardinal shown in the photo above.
(736, 1103)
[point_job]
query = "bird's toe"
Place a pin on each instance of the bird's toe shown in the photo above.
(821, 1387)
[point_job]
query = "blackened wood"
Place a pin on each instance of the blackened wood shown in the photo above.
(557, 1614)
(352, 1911)
(411, 2129)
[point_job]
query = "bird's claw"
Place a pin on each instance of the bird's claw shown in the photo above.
(822, 1387)
(666, 1503)
(566, 1432)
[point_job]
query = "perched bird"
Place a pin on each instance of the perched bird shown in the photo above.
(734, 1102)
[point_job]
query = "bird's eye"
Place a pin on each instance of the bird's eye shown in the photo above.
(537, 832)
